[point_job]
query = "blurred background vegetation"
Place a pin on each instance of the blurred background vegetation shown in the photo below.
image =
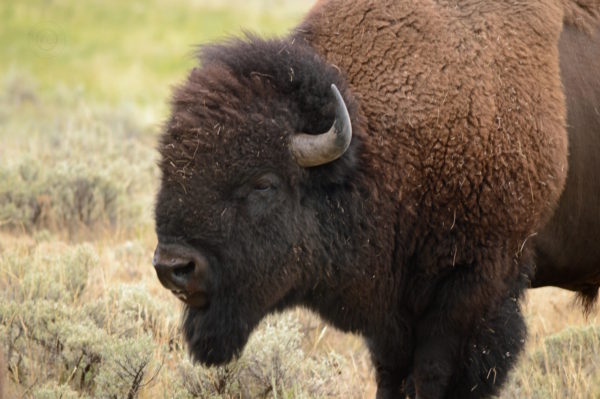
(120, 51)
(84, 88)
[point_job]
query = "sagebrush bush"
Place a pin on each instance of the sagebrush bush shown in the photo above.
(17, 88)
(48, 335)
(273, 365)
(45, 341)
(128, 310)
(128, 365)
(46, 273)
(584, 341)
(66, 196)
(72, 169)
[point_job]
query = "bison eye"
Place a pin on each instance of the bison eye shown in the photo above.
(265, 182)
(260, 194)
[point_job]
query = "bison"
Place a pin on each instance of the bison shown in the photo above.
(387, 165)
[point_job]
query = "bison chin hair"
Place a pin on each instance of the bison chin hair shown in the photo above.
(214, 337)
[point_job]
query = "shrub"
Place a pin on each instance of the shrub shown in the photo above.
(72, 169)
(61, 338)
(49, 341)
(273, 365)
(127, 310)
(104, 347)
(55, 342)
(127, 367)
(46, 273)
(18, 88)
(68, 196)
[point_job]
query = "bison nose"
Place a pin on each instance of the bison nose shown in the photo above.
(184, 271)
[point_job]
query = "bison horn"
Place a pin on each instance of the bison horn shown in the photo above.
(314, 150)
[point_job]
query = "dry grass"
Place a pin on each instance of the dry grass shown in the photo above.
(562, 359)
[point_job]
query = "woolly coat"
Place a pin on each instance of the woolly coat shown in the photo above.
(464, 109)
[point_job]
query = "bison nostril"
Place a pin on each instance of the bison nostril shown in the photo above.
(180, 275)
(182, 272)
(176, 276)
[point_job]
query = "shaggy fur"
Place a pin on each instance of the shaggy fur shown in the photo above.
(416, 237)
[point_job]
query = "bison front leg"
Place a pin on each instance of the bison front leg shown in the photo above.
(488, 355)
(471, 333)
(433, 365)
(490, 352)
(392, 362)
(483, 359)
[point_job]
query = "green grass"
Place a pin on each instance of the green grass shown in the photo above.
(117, 50)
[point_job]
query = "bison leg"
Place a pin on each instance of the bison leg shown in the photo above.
(392, 365)
(491, 353)
(486, 357)
(471, 333)
(434, 366)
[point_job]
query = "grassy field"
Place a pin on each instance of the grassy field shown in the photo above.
(84, 89)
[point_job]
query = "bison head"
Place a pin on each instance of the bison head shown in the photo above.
(258, 138)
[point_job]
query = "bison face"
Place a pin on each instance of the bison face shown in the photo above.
(236, 236)
(231, 261)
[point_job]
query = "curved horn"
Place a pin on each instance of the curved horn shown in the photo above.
(314, 150)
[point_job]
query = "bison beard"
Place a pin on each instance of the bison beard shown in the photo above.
(416, 235)
(216, 338)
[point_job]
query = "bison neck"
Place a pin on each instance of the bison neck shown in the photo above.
(360, 274)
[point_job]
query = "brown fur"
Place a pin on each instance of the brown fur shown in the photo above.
(465, 117)
(464, 108)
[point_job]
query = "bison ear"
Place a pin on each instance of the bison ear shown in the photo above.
(311, 150)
